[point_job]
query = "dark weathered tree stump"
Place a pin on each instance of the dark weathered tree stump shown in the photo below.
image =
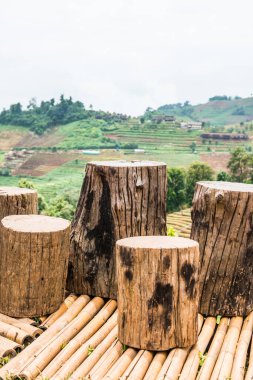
(34, 251)
(222, 223)
(17, 200)
(118, 199)
(158, 292)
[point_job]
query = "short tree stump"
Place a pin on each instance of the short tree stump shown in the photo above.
(17, 200)
(222, 223)
(157, 291)
(34, 252)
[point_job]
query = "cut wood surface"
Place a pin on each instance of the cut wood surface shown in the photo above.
(17, 200)
(118, 199)
(158, 292)
(222, 223)
(34, 251)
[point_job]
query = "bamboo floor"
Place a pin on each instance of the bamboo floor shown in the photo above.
(80, 342)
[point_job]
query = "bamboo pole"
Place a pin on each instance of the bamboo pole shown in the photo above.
(223, 366)
(4, 352)
(173, 365)
(200, 322)
(42, 319)
(44, 357)
(28, 321)
(141, 366)
(249, 373)
(87, 332)
(121, 364)
(191, 365)
(64, 307)
(15, 334)
(9, 344)
(93, 358)
(156, 365)
(28, 329)
(87, 348)
(25, 356)
(214, 350)
(239, 362)
(130, 368)
(106, 361)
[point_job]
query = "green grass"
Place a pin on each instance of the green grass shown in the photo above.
(82, 134)
(2, 156)
(65, 179)
(12, 128)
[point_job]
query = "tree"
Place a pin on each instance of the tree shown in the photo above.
(60, 207)
(42, 205)
(176, 189)
(16, 109)
(193, 147)
(241, 165)
(223, 176)
(198, 171)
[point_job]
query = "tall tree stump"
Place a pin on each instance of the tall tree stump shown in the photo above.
(118, 199)
(17, 200)
(158, 292)
(222, 223)
(34, 251)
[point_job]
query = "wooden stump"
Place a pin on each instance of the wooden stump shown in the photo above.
(34, 251)
(118, 199)
(17, 200)
(222, 223)
(158, 292)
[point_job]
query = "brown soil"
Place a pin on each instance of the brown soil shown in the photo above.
(217, 161)
(41, 163)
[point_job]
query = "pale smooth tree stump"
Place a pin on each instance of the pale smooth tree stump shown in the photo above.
(118, 199)
(17, 200)
(222, 223)
(158, 292)
(34, 252)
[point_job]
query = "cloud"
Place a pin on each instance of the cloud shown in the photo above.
(125, 55)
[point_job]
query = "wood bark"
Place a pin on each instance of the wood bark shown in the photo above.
(118, 199)
(222, 223)
(34, 251)
(158, 292)
(17, 200)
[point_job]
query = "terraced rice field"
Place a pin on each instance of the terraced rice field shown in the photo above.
(181, 222)
(42, 163)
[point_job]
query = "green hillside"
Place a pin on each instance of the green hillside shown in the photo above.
(216, 112)
(48, 143)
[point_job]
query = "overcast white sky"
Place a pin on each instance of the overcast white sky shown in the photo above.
(125, 55)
